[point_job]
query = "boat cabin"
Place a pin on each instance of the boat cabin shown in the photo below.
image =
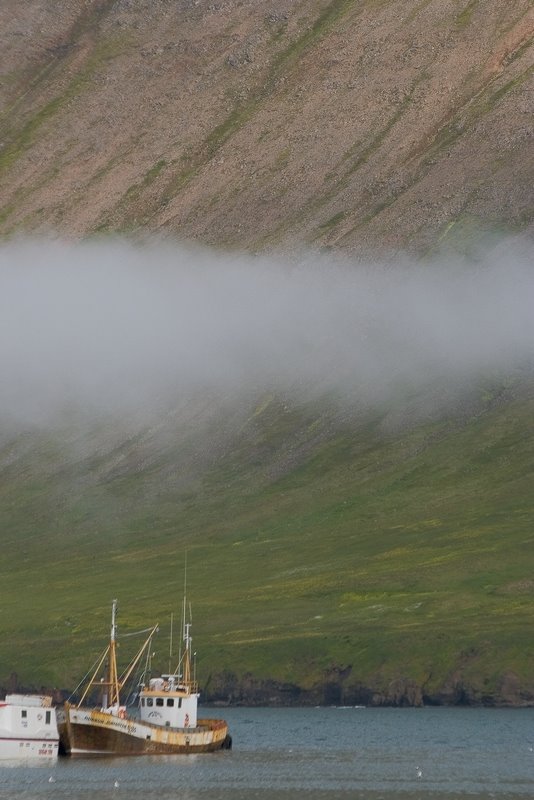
(169, 702)
(27, 726)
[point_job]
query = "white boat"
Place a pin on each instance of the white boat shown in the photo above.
(28, 727)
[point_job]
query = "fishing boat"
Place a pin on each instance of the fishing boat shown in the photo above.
(165, 720)
(28, 727)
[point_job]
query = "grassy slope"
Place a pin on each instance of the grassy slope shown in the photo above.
(312, 543)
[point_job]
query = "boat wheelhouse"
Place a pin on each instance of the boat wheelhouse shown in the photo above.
(167, 701)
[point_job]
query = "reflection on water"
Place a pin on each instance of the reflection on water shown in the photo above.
(319, 754)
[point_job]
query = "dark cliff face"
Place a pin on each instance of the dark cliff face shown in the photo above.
(228, 689)
(329, 123)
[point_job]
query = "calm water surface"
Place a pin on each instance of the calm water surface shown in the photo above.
(317, 754)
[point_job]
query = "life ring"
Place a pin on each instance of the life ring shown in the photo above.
(186, 721)
(122, 713)
(39, 716)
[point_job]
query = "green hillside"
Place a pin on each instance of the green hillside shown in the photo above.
(343, 553)
(335, 553)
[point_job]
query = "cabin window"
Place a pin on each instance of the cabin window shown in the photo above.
(47, 718)
(23, 713)
(179, 702)
(149, 701)
(159, 701)
(142, 701)
(170, 701)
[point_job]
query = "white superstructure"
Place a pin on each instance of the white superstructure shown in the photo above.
(166, 701)
(28, 727)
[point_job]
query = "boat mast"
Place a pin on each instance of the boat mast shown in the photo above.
(185, 632)
(113, 678)
(113, 684)
(187, 648)
(185, 661)
(170, 641)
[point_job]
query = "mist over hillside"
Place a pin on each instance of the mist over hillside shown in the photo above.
(342, 446)
(117, 327)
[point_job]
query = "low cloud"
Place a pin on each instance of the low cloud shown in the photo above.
(118, 327)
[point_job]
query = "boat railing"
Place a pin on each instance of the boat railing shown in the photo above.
(157, 685)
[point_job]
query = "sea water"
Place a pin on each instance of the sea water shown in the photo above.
(316, 754)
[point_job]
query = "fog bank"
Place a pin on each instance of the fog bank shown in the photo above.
(112, 326)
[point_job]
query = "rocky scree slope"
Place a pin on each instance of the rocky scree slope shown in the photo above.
(349, 124)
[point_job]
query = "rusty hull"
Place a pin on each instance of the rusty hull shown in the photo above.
(93, 732)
